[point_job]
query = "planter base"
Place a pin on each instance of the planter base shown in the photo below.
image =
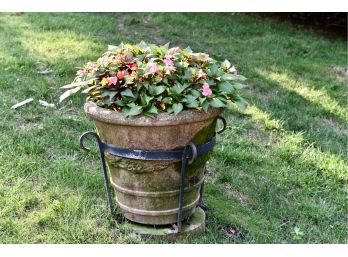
(195, 224)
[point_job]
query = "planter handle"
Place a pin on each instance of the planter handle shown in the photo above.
(192, 152)
(224, 124)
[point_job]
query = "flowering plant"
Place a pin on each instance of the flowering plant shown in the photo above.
(147, 79)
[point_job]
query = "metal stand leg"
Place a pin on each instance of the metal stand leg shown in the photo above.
(200, 202)
(186, 154)
(102, 159)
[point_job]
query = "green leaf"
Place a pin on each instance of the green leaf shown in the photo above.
(225, 64)
(112, 48)
(158, 79)
(238, 85)
(156, 50)
(142, 44)
(107, 101)
(228, 76)
(193, 104)
(178, 88)
(214, 70)
(139, 86)
(131, 111)
(177, 107)
(164, 48)
(188, 74)
(152, 110)
(188, 50)
(167, 100)
(132, 104)
(202, 99)
(120, 102)
(195, 93)
(129, 80)
(240, 103)
(225, 86)
(217, 103)
(211, 82)
(156, 90)
(128, 93)
(145, 100)
(112, 95)
(190, 98)
(179, 65)
(146, 85)
(205, 106)
(241, 78)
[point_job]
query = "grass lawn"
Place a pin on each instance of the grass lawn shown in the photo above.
(277, 175)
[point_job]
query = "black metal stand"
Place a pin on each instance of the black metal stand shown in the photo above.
(188, 154)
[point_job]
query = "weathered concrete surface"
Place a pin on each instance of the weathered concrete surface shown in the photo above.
(147, 191)
(195, 225)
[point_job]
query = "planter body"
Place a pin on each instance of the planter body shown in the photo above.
(148, 191)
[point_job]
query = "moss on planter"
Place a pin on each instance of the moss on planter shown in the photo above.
(198, 139)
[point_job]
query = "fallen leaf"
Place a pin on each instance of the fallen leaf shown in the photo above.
(45, 72)
(44, 103)
(232, 231)
(68, 93)
(69, 86)
(22, 103)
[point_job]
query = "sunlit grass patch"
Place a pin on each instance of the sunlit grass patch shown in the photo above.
(263, 118)
(307, 91)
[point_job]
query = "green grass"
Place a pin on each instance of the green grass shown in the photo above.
(278, 173)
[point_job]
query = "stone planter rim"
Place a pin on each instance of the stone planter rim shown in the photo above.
(161, 119)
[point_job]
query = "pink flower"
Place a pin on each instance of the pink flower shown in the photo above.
(233, 70)
(92, 65)
(121, 58)
(173, 50)
(154, 68)
(168, 61)
(132, 66)
(169, 64)
(202, 74)
(112, 81)
(107, 59)
(120, 74)
(206, 91)
(170, 68)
